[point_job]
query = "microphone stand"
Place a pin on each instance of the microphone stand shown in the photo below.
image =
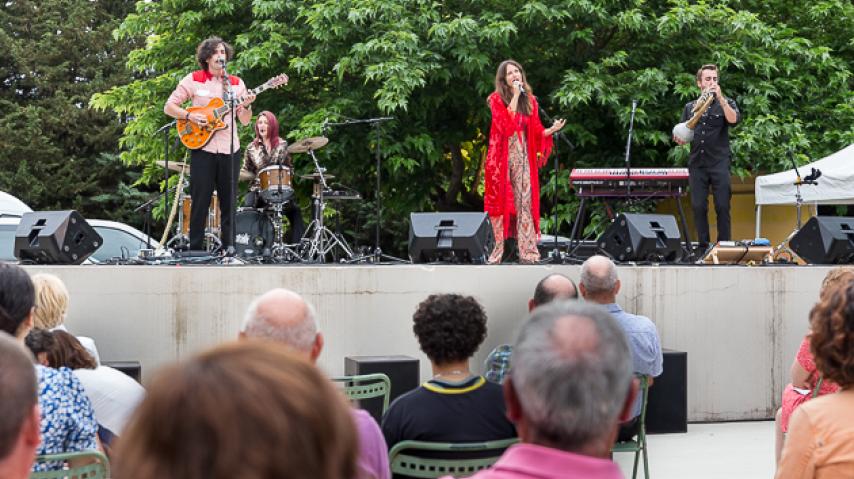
(556, 257)
(377, 256)
(232, 183)
(147, 207)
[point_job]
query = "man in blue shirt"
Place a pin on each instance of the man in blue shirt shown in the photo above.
(599, 284)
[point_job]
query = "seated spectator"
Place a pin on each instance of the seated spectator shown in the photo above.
(283, 316)
(600, 284)
(113, 394)
(552, 287)
(455, 405)
(52, 307)
(67, 420)
(19, 422)
(803, 372)
(820, 442)
(248, 410)
(570, 386)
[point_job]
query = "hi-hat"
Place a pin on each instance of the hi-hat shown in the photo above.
(245, 175)
(316, 176)
(306, 144)
(175, 165)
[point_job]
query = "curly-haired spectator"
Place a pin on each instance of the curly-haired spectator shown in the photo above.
(820, 442)
(455, 405)
(250, 410)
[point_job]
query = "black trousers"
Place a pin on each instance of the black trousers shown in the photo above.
(700, 178)
(290, 209)
(209, 172)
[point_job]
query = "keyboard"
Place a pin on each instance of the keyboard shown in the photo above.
(642, 182)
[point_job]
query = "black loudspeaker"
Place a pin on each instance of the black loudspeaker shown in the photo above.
(403, 371)
(55, 237)
(825, 240)
(667, 408)
(130, 368)
(637, 237)
(450, 237)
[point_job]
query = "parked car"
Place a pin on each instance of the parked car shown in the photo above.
(120, 240)
(12, 206)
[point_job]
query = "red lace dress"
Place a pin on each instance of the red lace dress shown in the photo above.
(517, 149)
(791, 398)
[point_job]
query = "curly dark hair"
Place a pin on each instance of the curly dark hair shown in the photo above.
(40, 341)
(207, 48)
(832, 338)
(449, 327)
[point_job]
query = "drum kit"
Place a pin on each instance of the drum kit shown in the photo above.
(259, 231)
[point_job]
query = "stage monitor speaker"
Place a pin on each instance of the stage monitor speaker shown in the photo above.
(667, 409)
(825, 240)
(642, 237)
(55, 237)
(450, 237)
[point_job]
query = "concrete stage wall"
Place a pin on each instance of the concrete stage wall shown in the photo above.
(740, 325)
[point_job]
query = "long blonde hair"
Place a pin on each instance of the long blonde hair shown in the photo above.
(51, 300)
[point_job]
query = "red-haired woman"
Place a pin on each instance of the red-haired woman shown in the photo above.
(267, 149)
(518, 147)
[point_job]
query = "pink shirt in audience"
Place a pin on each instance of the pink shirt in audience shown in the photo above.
(528, 461)
(373, 452)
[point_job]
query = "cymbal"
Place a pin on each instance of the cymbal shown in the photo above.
(315, 176)
(175, 166)
(306, 144)
(245, 175)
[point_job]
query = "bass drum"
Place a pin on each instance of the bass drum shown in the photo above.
(253, 233)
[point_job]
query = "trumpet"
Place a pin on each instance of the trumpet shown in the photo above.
(685, 131)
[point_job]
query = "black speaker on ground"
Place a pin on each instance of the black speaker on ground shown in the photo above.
(642, 237)
(825, 240)
(130, 368)
(55, 237)
(667, 410)
(403, 371)
(450, 237)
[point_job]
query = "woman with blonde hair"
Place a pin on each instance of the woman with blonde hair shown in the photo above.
(250, 409)
(52, 301)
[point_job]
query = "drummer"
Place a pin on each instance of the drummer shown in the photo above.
(268, 149)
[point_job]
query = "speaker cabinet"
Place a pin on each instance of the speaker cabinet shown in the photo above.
(55, 237)
(825, 240)
(667, 410)
(450, 237)
(403, 371)
(641, 237)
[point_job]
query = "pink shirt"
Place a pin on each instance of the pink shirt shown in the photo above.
(526, 461)
(201, 92)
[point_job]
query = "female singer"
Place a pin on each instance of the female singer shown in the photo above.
(518, 146)
(268, 148)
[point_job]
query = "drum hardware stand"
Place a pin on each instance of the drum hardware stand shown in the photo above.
(811, 179)
(279, 250)
(321, 240)
(377, 256)
(556, 257)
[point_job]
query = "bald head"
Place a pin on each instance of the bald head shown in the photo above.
(599, 281)
(283, 316)
(552, 287)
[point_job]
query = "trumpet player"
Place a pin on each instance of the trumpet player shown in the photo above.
(710, 157)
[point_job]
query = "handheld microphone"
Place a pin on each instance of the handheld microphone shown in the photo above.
(520, 86)
(221, 61)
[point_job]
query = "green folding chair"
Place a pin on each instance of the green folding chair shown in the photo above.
(638, 445)
(405, 460)
(96, 466)
(366, 386)
(817, 387)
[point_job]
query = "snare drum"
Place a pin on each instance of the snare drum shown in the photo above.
(211, 225)
(275, 184)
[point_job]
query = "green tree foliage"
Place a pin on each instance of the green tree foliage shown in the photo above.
(55, 151)
(431, 65)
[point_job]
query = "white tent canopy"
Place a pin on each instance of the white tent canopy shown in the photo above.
(835, 186)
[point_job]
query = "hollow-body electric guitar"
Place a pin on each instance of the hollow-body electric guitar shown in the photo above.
(194, 136)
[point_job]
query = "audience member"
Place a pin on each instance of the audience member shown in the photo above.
(819, 443)
(552, 287)
(113, 394)
(570, 386)
(67, 420)
(52, 300)
(19, 422)
(455, 405)
(285, 317)
(599, 284)
(803, 372)
(249, 410)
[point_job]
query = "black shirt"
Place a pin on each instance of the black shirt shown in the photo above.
(710, 145)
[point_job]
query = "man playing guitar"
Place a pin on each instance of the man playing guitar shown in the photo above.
(212, 166)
